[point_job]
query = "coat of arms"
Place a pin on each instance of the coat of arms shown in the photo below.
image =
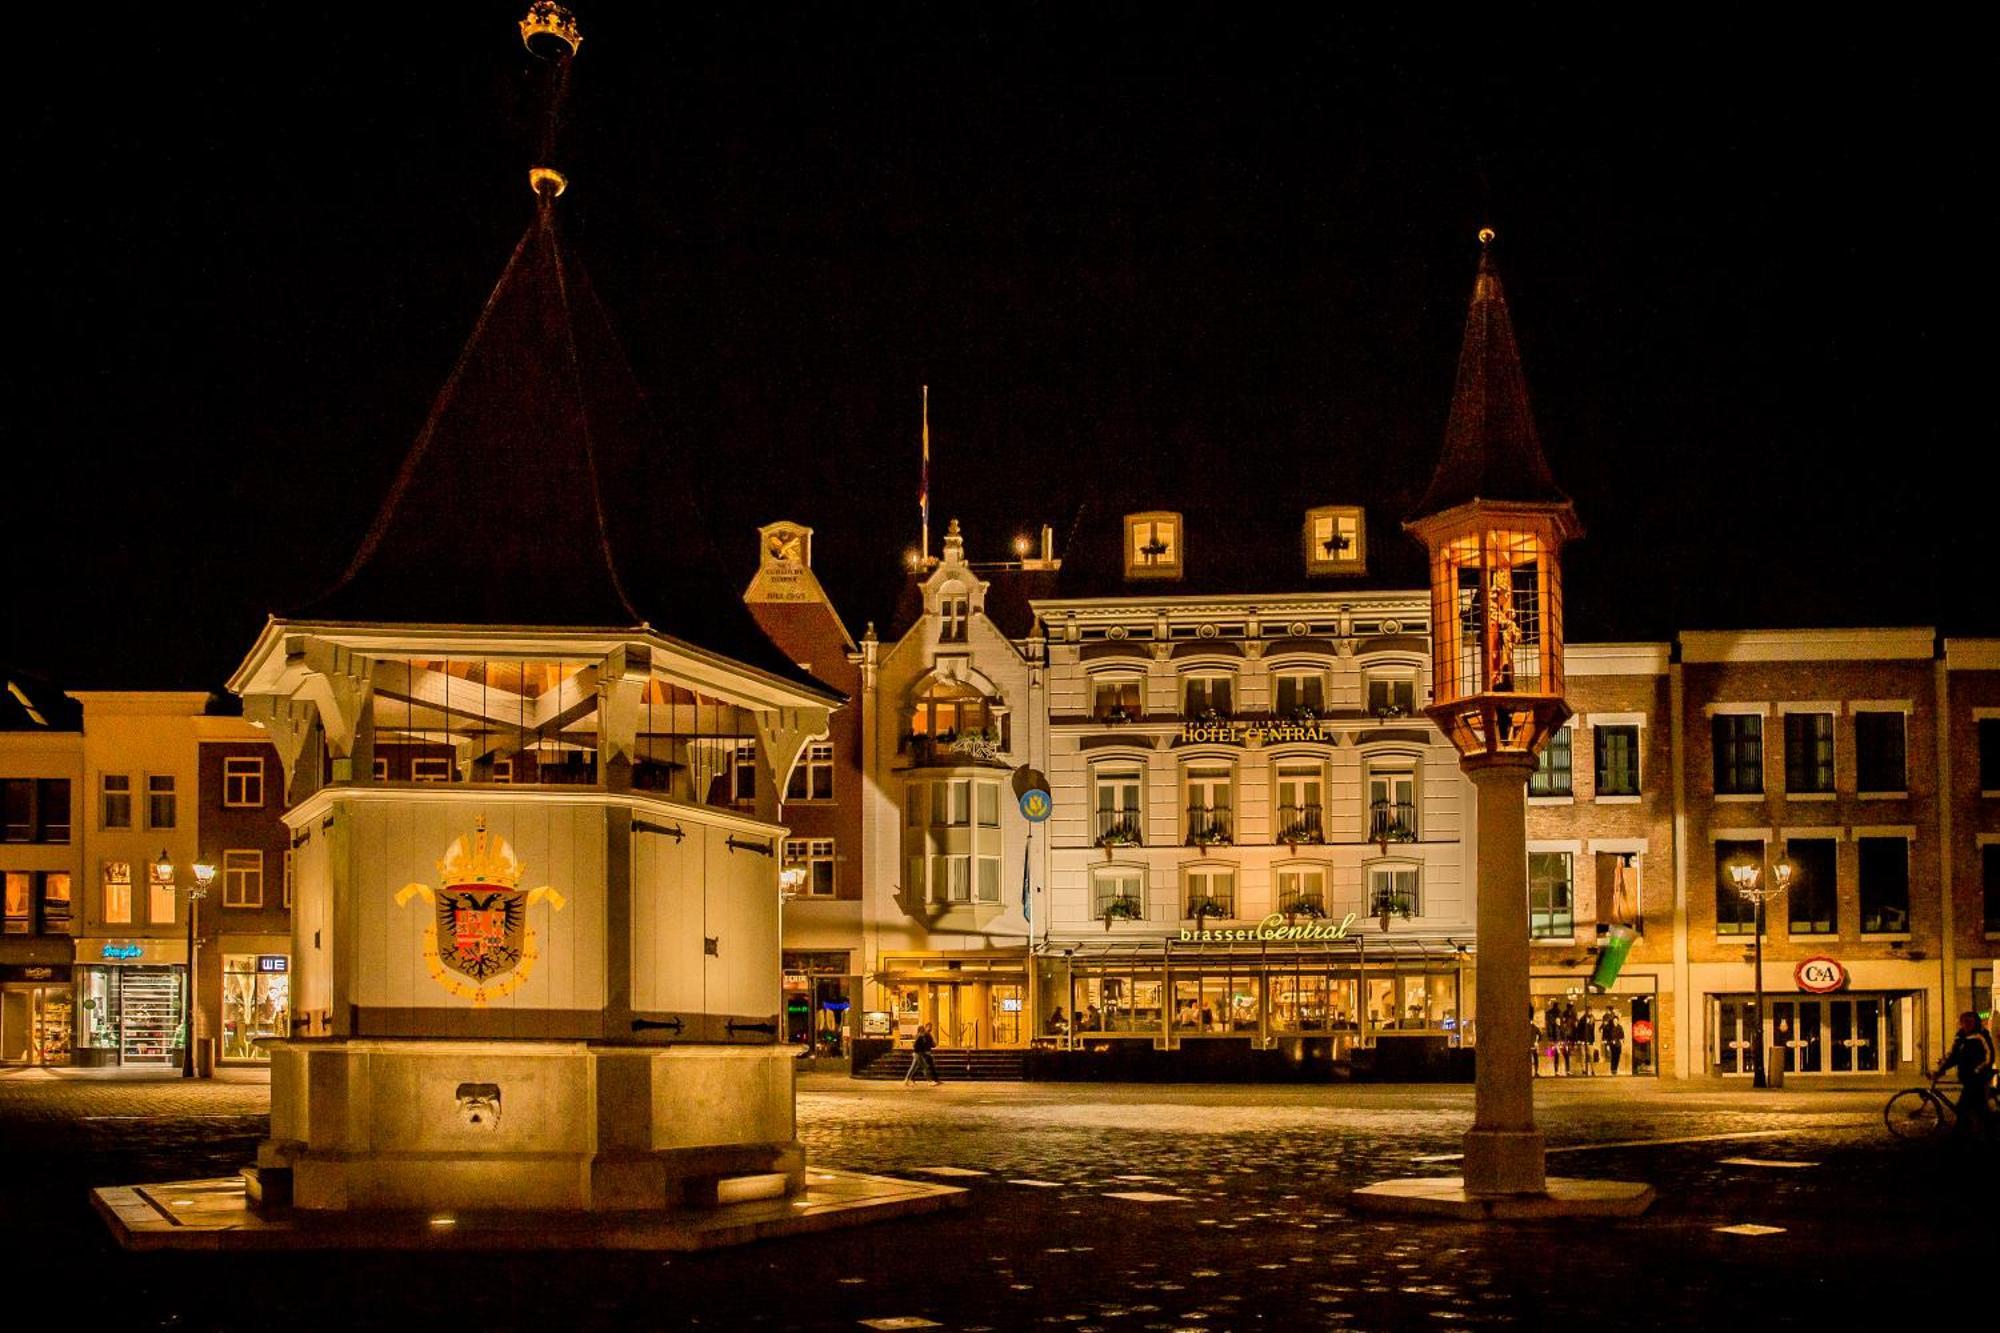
(480, 946)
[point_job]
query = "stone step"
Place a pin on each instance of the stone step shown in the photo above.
(267, 1186)
(978, 1066)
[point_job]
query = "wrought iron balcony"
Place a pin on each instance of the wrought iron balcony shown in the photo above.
(1302, 902)
(1118, 828)
(1392, 821)
(1210, 906)
(1300, 823)
(1208, 825)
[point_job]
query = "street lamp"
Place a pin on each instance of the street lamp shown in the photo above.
(165, 871)
(1746, 876)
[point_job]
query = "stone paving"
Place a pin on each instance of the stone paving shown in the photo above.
(1105, 1208)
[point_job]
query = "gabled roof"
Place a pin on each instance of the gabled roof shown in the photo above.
(1491, 451)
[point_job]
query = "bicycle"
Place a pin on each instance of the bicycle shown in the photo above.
(1916, 1113)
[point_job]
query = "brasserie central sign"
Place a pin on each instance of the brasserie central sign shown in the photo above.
(1253, 733)
(1273, 929)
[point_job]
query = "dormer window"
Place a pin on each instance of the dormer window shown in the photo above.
(1335, 540)
(954, 613)
(1153, 546)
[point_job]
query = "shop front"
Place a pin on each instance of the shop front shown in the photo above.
(256, 1001)
(819, 1002)
(36, 1007)
(1388, 1005)
(970, 1001)
(1579, 1034)
(1813, 1036)
(129, 1006)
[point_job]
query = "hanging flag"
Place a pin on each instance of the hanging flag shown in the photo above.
(1025, 913)
(1615, 943)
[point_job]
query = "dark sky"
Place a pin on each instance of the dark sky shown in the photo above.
(1220, 250)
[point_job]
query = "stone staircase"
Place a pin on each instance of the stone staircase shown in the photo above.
(953, 1066)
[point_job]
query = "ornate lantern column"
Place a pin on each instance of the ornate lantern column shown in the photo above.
(1494, 523)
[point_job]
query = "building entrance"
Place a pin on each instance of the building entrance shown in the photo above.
(968, 1015)
(35, 1025)
(1811, 1034)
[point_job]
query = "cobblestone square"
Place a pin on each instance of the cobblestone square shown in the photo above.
(1100, 1207)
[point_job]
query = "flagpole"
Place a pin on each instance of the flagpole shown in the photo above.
(924, 480)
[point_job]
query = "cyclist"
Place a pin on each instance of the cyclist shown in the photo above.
(1973, 1055)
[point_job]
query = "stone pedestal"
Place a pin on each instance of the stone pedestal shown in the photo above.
(387, 1124)
(1503, 1152)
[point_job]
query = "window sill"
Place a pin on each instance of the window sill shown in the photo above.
(1878, 937)
(1991, 795)
(1552, 800)
(1739, 797)
(1617, 800)
(1551, 942)
(1881, 796)
(1796, 938)
(1803, 796)
(242, 805)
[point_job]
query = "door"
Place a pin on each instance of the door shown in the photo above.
(1008, 1010)
(1856, 1028)
(1796, 1043)
(1735, 1020)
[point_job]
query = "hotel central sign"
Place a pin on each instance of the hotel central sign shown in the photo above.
(1274, 732)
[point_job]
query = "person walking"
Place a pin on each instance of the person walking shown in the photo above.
(923, 1046)
(1534, 1043)
(1585, 1036)
(1973, 1056)
(1613, 1036)
(1568, 1034)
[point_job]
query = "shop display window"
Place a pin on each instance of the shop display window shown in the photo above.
(256, 1003)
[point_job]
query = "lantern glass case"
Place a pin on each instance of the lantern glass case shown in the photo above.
(1496, 613)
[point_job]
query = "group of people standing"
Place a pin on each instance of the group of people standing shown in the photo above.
(1576, 1043)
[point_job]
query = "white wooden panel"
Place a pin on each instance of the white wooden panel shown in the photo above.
(667, 970)
(742, 911)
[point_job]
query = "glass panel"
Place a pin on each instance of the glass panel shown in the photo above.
(1843, 1036)
(1381, 1002)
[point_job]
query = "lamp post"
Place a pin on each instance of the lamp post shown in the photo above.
(204, 875)
(1746, 876)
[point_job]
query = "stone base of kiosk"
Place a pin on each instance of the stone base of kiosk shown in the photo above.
(1446, 1196)
(377, 1124)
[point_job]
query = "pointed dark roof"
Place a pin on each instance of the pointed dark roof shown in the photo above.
(499, 516)
(30, 703)
(1491, 451)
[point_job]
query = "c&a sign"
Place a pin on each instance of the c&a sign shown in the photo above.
(1820, 974)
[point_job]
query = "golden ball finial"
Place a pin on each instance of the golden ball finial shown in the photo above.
(545, 25)
(1486, 235)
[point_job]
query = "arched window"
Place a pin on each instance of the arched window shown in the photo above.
(948, 709)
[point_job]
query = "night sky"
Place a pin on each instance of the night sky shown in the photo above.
(1215, 251)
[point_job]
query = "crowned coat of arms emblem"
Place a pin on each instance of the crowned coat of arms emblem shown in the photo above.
(479, 946)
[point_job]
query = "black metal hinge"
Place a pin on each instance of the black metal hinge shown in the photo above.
(665, 830)
(768, 1029)
(302, 837)
(673, 1025)
(748, 845)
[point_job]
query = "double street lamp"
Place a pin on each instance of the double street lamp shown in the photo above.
(1746, 876)
(166, 872)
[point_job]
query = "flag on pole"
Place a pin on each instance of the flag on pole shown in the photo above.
(1025, 915)
(924, 478)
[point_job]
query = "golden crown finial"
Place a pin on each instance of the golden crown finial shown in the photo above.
(547, 22)
(483, 859)
(1486, 235)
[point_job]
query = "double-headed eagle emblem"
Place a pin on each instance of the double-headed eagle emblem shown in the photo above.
(480, 946)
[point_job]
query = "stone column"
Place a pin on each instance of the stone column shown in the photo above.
(1503, 1150)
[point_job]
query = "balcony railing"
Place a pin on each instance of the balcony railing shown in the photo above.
(1211, 906)
(1392, 821)
(1301, 902)
(1300, 823)
(1208, 825)
(1118, 828)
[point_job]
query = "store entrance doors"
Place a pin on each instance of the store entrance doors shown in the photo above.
(966, 1015)
(1811, 1034)
(35, 1025)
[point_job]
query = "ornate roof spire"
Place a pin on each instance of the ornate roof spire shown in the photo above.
(1491, 450)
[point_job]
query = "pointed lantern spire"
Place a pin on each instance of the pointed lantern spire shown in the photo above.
(1491, 451)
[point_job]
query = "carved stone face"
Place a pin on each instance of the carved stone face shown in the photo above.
(479, 1105)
